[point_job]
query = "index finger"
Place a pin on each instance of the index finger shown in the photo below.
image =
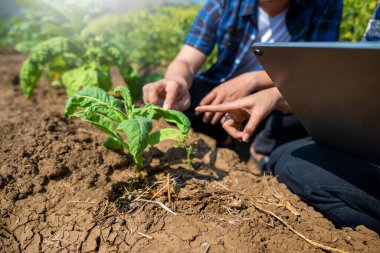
(172, 94)
(219, 108)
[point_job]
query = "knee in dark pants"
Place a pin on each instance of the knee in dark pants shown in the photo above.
(341, 187)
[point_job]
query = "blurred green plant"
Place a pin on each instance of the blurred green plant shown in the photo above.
(356, 15)
(52, 32)
(4, 28)
(77, 63)
(150, 38)
(44, 19)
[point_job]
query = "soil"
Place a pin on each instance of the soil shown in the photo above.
(61, 191)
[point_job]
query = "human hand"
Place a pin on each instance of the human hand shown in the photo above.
(256, 106)
(236, 88)
(174, 94)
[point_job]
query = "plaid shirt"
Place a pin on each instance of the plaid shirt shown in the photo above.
(232, 25)
(373, 28)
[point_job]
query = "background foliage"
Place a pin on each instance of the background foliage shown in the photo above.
(356, 15)
(150, 38)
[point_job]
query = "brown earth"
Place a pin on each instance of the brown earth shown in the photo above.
(61, 191)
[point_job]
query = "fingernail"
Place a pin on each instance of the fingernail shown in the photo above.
(245, 137)
(166, 107)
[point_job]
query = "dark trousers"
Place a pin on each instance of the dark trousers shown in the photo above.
(277, 129)
(345, 189)
(198, 91)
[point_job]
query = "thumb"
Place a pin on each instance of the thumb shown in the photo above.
(251, 125)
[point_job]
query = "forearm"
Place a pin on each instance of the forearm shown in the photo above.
(187, 63)
(180, 71)
(255, 81)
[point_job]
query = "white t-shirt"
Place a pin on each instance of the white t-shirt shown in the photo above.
(270, 29)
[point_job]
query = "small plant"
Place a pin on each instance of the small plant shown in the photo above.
(189, 152)
(77, 63)
(105, 112)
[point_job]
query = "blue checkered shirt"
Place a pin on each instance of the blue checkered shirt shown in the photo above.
(373, 29)
(232, 26)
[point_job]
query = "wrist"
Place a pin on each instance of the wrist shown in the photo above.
(280, 103)
(258, 80)
(180, 81)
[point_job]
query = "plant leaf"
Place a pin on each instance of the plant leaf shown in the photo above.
(46, 51)
(86, 76)
(42, 55)
(114, 145)
(166, 134)
(137, 132)
(126, 95)
(96, 98)
(172, 116)
(101, 122)
(133, 80)
(29, 75)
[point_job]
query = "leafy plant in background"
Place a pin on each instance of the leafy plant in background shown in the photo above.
(119, 118)
(73, 58)
(150, 37)
(78, 63)
(4, 27)
(356, 15)
(43, 19)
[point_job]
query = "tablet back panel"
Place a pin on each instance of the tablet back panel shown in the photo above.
(334, 90)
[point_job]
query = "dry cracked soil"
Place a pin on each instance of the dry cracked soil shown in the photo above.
(61, 191)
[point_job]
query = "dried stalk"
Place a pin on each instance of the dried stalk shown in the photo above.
(160, 204)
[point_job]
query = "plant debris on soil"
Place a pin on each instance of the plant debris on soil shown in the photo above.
(61, 191)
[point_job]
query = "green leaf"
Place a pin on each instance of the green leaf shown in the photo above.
(97, 98)
(172, 116)
(40, 57)
(137, 132)
(133, 80)
(86, 76)
(114, 145)
(101, 122)
(29, 75)
(126, 95)
(166, 134)
(46, 51)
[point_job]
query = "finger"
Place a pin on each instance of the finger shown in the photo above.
(219, 108)
(207, 100)
(146, 93)
(225, 118)
(252, 124)
(209, 115)
(183, 103)
(231, 128)
(216, 118)
(172, 93)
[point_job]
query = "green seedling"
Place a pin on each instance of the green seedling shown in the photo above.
(189, 152)
(128, 127)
